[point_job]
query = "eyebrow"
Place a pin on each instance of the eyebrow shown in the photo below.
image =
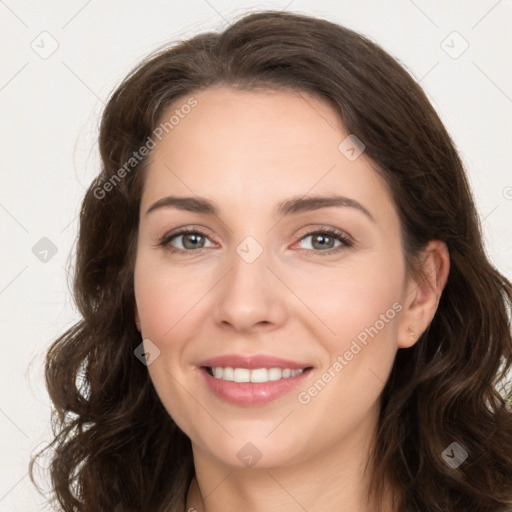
(292, 206)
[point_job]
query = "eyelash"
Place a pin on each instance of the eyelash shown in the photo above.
(346, 242)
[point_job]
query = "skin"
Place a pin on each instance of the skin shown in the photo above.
(248, 151)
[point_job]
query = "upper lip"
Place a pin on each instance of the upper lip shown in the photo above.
(253, 361)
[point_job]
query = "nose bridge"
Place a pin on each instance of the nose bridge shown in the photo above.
(249, 264)
(248, 295)
(248, 277)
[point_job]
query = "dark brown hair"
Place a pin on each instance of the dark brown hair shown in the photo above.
(117, 449)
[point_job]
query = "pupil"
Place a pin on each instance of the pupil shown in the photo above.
(324, 238)
(191, 236)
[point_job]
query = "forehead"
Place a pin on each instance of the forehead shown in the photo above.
(232, 121)
(254, 148)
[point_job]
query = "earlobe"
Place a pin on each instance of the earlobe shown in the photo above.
(424, 293)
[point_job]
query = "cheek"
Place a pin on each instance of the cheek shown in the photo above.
(348, 301)
(164, 298)
(165, 303)
(362, 308)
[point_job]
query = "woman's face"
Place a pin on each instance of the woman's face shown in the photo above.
(258, 283)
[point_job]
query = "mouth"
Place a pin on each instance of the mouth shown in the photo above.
(254, 375)
(252, 380)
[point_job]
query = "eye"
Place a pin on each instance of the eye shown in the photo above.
(191, 240)
(324, 241)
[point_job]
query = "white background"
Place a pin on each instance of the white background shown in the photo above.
(50, 111)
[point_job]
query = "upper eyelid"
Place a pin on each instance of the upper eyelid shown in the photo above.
(185, 231)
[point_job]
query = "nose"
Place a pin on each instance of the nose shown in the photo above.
(250, 297)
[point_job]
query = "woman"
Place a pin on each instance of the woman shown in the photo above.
(286, 302)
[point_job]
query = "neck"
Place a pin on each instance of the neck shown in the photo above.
(332, 480)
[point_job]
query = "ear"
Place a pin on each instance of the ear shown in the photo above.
(423, 293)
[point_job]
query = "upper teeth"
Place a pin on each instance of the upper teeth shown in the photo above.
(256, 375)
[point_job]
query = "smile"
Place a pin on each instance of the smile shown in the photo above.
(252, 375)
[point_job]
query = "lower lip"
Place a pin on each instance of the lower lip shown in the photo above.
(252, 393)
